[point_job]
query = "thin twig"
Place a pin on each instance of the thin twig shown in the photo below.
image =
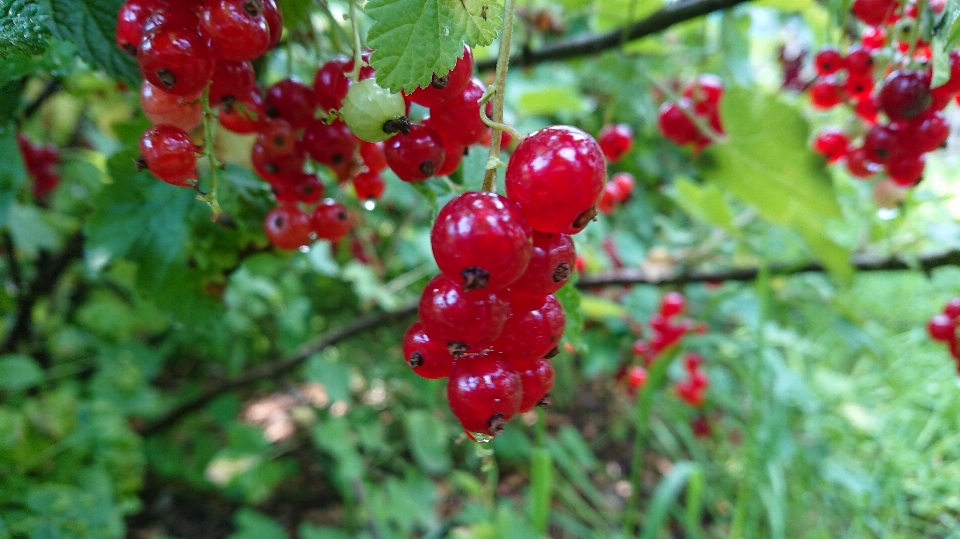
(588, 44)
(53, 86)
(499, 95)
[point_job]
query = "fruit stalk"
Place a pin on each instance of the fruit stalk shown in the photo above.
(357, 51)
(499, 86)
(208, 115)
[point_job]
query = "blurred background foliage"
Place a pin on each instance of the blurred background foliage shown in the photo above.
(831, 414)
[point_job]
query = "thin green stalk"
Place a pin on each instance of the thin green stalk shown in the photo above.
(499, 92)
(211, 197)
(488, 465)
(357, 49)
(338, 31)
(642, 420)
(541, 477)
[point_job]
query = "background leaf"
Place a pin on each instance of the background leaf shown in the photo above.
(91, 25)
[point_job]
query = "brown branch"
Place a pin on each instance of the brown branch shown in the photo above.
(587, 44)
(630, 276)
(49, 271)
(277, 369)
(53, 86)
(619, 278)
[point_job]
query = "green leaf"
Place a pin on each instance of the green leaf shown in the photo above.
(541, 488)
(597, 308)
(705, 202)
(664, 497)
(414, 39)
(552, 99)
(23, 28)
(569, 297)
(91, 25)
(254, 525)
(764, 160)
(30, 230)
(428, 441)
(296, 13)
(19, 372)
(140, 218)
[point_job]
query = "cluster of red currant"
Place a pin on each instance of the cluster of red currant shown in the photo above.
(615, 141)
(912, 123)
(41, 162)
(667, 328)
(182, 47)
(943, 327)
(684, 121)
(490, 321)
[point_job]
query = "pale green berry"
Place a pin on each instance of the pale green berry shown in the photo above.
(372, 112)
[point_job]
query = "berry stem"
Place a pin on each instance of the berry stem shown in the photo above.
(357, 50)
(492, 124)
(499, 93)
(211, 197)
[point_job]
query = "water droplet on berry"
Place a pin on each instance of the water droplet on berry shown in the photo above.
(304, 248)
(482, 438)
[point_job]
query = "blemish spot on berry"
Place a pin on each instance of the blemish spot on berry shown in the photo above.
(562, 272)
(140, 163)
(545, 402)
(456, 348)
(415, 360)
(427, 168)
(440, 83)
(167, 78)
(584, 218)
(552, 353)
(475, 278)
(497, 424)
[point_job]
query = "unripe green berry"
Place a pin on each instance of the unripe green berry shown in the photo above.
(372, 112)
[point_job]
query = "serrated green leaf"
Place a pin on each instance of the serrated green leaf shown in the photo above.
(91, 25)
(19, 372)
(765, 161)
(414, 39)
(23, 28)
(140, 218)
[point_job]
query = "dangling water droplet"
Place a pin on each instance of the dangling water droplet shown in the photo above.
(304, 248)
(888, 213)
(481, 438)
(369, 205)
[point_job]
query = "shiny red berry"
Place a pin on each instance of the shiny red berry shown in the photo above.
(832, 144)
(426, 357)
(873, 12)
(860, 165)
(231, 80)
(331, 144)
(244, 114)
(287, 227)
(484, 392)
(672, 304)
(942, 328)
(952, 308)
(905, 94)
(482, 240)
(675, 124)
(277, 137)
(274, 17)
(372, 155)
(161, 107)
(291, 100)
(169, 154)
(130, 21)
(465, 321)
(444, 89)
(330, 84)
(556, 175)
(552, 261)
(906, 170)
(536, 379)
(826, 93)
(331, 221)
(532, 330)
(459, 119)
(176, 59)
(828, 61)
(415, 156)
(277, 169)
(615, 141)
(237, 29)
(308, 189)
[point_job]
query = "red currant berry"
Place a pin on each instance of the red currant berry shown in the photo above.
(162, 108)
(330, 84)
(873, 12)
(244, 114)
(952, 308)
(184, 14)
(372, 155)
(331, 221)
(427, 358)
(556, 175)
(331, 144)
(459, 119)
(637, 377)
(237, 29)
(858, 86)
(828, 61)
(942, 328)
(169, 154)
(866, 109)
(675, 124)
(615, 141)
(231, 81)
(277, 138)
(883, 142)
(905, 94)
(444, 89)
(176, 59)
(859, 61)
(274, 17)
(308, 189)
(484, 392)
(826, 93)
(873, 37)
(368, 185)
(928, 132)
(705, 94)
(531, 333)
(415, 156)
(552, 260)
(130, 21)
(465, 321)
(626, 182)
(536, 380)
(291, 100)
(277, 169)
(905, 170)
(452, 152)
(832, 144)
(672, 304)
(287, 227)
(482, 240)
(860, 165)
